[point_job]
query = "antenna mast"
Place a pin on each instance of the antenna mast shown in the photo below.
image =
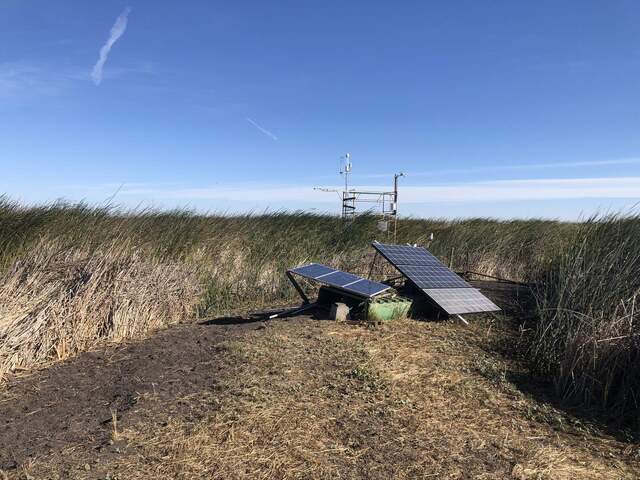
(348, 199)
(384, 202)
(346, 170)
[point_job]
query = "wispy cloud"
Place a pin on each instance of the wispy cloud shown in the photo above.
(584, 163)
(262, 129)
(24, 79)
(512, 168)
(118, 29)
(470, 192)
(528, 189)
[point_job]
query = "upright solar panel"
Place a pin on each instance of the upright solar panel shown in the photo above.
(339, 279)
(444, 287)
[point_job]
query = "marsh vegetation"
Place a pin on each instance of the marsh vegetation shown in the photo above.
(75, 276)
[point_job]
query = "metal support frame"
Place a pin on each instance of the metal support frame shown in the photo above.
(296, 285)
(373, 264)
(352, 198)
(388, 280)
(385, 203)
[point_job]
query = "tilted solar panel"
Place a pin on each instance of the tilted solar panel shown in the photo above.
(313, 270)
(406, 254)
(461, 300)
(432, 276)
(420, 266)
(444, 287)
(367, 287)
(339, 279)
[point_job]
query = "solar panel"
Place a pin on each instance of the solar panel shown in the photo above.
(339, 279)
(367, 287)
(444, 287)
(406, 254)
(461, 300)
(313, 270)
(432, 276)
(420, 266)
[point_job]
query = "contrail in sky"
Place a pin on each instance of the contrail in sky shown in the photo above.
(263, 130)
(117, 31)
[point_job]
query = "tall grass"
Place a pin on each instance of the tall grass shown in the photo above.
(59, 302)
(241, 259)
(72, 276)
(588, 334)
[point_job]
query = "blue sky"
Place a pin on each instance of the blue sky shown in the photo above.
(491, 108)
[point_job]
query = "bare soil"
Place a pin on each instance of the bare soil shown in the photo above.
(300, 398)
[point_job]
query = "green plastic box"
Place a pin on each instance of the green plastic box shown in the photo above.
(384, 309)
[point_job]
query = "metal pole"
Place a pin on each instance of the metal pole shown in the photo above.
(373, 263)
(395, 205)
(347, 170)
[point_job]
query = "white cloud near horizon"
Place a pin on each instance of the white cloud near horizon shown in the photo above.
(522, 167)
(262, 129)
(117, 30)
(470, 192)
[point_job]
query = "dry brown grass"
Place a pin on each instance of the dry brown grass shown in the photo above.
(57, 303)
(320, 400)
(587, 278)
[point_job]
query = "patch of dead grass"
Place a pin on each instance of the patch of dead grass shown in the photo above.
(317, 400)
(58, 303)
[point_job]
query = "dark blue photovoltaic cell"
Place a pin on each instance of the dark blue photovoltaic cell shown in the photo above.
(340, 278)
(367, 287)
(343, 280)
(420, 266)
(432, 276)
(313, 270)
(406, 255)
